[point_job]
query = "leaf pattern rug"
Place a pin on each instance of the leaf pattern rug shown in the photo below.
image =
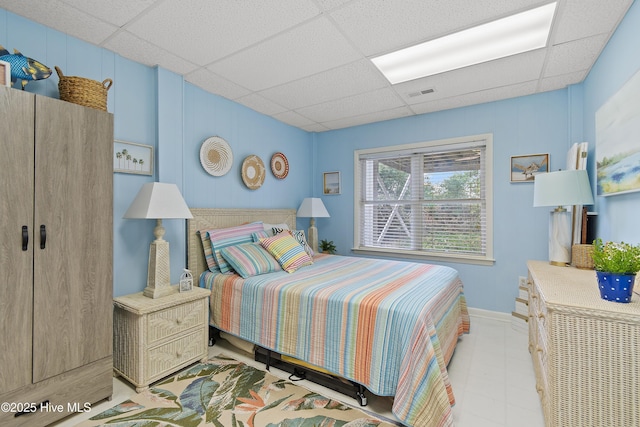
(226, 393)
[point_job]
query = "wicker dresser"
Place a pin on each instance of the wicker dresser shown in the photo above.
(153, 338)
(585, 350)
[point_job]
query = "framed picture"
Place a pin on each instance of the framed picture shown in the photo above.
(5, 74)
(331, 183)
(129, 157)
(525, 168)
(617, 132)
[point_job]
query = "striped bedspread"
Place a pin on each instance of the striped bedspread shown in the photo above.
(391, 326)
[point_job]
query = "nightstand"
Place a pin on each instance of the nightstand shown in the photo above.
(153, 338)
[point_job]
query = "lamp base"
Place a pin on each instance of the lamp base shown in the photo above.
(312, 236)
(158, 276)
(560, 238)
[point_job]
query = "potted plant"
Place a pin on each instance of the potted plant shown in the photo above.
(616, 266)
(327, 246)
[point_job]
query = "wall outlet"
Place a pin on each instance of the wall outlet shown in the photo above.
(522, 281)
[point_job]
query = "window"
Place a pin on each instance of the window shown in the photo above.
(431, 199)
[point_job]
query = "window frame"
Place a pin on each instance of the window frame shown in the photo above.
(450, 143)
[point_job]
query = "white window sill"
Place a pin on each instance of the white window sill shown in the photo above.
(398, 253)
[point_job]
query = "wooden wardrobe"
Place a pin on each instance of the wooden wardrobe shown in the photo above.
(56, 257)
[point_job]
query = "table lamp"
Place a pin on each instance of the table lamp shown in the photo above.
(312, 207)
(158, 201)
(561, 188)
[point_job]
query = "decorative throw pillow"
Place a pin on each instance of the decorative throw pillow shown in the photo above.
(269, 227)
(299, 236)
(225, 237)
(208, 251)
(261, 235)
(287, 251)
(250, 259)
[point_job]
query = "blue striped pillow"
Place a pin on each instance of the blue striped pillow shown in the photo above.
(250, 259)
(232, 236)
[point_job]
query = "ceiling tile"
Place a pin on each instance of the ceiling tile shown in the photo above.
(130, 46)
(561, 81)
(379, 26)
(300, 52)
(489, 95)
(213, 83)
(293, 118)
(501, 72)
(211, 30)
(116, 12)
(62, 17)
(357, 105)
(574, 56)
(377, 116)
(350, 79)
(260, 104)
(583, 18)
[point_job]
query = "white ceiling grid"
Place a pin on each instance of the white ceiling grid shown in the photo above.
(306, 62)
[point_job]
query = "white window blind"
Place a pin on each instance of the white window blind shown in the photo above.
(430, 198)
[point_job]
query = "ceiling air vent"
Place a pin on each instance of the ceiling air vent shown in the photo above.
(422, 92)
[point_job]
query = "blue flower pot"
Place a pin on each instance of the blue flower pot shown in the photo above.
(615, 287)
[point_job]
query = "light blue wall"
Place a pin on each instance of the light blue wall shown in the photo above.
(156, 107)
(525, 125)
(620, 60)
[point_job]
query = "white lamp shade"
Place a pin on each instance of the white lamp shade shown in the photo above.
(157, 200)
(312, 207)
(562, 188)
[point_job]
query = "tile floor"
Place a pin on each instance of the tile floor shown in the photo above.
(491, 373)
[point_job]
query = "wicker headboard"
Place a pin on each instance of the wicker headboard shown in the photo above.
(211, 218)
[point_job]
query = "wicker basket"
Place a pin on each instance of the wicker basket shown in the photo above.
(581, 256)
(82, 91)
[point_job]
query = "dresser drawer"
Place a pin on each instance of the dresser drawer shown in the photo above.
(163, 359)
(170, 321)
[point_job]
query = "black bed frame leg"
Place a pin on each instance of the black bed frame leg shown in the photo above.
(212, 333)
(268, 361)
(360, 394)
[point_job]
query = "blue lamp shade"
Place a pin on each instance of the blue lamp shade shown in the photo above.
(562, 188)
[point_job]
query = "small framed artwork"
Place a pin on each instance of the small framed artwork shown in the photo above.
(525, 168)
(129, 157)
(5, 74)
(331, 183)
(186, 281)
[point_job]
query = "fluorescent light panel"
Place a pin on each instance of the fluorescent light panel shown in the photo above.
(507, 36)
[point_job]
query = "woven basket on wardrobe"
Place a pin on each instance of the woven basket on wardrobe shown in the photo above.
(83, 91)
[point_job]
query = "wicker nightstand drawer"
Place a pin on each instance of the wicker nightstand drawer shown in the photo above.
(167, 357)
(170, 321)
(153, 338)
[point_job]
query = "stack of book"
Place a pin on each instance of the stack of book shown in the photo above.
(520, 316)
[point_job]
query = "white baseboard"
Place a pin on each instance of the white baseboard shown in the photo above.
(488, 314)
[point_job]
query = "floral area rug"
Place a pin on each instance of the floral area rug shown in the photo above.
(226, 393)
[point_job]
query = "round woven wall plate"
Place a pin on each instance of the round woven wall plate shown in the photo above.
(253, 172)
(279, 166)
(216, 156)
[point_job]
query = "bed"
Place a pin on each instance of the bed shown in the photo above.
(390, 326)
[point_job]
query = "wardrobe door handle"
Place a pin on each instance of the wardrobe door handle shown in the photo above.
(25, 237)
(43, 236)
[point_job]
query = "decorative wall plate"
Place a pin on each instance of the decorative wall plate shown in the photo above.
(253, 172)
(279, 166)
(215, 156)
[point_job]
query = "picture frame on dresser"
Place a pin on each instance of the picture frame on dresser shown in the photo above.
(131, 157)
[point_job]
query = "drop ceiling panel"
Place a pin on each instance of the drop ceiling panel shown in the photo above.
(215, 29)
(62, 17)
(574, 56)
(364, 103)
(305, 62)
(350, 79)
(584, 18)
(379, 26)
(130, 46)
(116, 12)
(297, 53)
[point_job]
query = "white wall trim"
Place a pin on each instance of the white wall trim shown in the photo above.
(488, 314)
